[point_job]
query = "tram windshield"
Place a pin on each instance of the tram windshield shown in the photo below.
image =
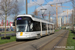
(20, 22)
(22, 26)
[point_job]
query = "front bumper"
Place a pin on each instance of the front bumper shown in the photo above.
(25, 37)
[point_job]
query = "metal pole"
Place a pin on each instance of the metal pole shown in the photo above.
(26, 7)
(56, 16)
(67, 17)
(49, 16)
(43, 13)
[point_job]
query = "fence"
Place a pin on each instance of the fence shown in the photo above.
(8, 28)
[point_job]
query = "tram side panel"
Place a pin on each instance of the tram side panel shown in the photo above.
(53, 29)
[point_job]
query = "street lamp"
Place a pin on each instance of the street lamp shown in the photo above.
(43, 12)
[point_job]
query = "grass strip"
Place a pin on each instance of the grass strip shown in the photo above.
(8, 32)
(56, 30)
(3, 41)
(71, 41)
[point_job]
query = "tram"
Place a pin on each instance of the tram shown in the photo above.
(29, 27)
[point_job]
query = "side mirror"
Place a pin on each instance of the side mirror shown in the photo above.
(13, 23)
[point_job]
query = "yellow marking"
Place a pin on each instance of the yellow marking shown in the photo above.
(21, 33)
(41, 34)
(46, 32)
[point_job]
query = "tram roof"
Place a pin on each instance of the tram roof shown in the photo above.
(36, 19)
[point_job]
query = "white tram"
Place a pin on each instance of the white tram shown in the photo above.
(29, 27)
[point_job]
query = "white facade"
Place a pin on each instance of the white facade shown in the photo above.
(64, 20)
(59, 21)
(51, 19)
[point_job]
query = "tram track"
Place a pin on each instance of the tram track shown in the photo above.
(54, 42)
(8, 45)
(60, 40)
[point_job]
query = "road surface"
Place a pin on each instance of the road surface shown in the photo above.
(36, 44)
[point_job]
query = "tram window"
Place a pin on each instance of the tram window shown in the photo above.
(27, 29)
(52, 27)
(49, 27)
(36, 26)
(44, 26)
(31, 27)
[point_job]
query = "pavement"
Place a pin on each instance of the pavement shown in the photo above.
(35, 44)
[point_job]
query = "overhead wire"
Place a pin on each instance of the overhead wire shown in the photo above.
(56, 3)
(39, 4)
(51, 6)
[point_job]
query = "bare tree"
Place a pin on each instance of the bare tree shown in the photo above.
(7, 7)
(70, 20)
(1, 16)
(35, 12)
(16, 11)
(73, 13)
(73, 3)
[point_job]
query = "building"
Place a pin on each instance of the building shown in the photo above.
(51, 19)
(59, 21)
(64, 20)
